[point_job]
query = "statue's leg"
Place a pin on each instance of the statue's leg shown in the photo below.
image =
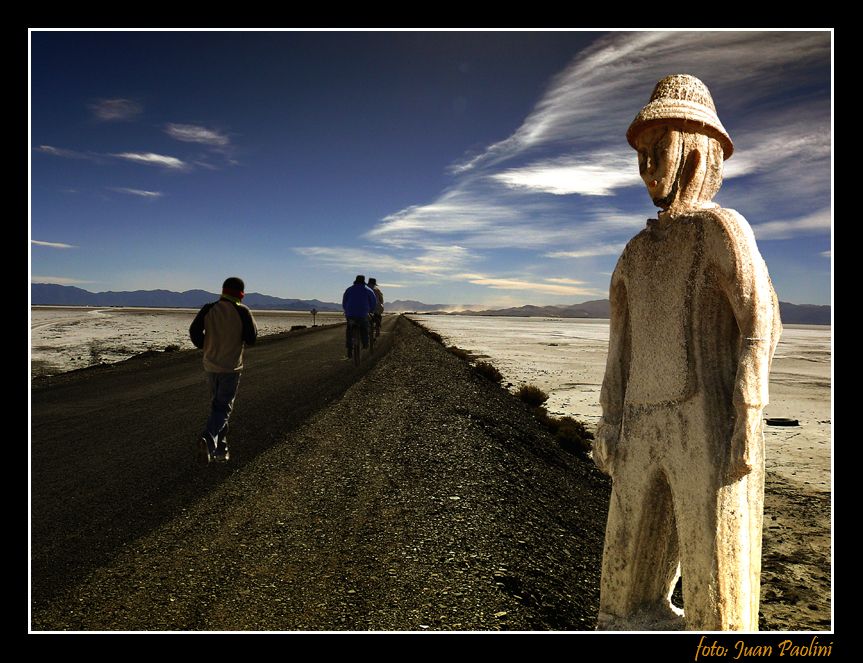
(719, 525)
(640, 559)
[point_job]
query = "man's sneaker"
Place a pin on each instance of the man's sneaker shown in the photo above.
(221, 454)
(205, 449)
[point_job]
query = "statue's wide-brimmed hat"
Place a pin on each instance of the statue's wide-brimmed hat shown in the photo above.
(684, 102)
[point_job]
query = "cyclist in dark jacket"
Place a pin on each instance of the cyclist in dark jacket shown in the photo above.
(358, 301)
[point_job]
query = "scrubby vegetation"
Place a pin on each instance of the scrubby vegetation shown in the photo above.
(572, 434)
(531, 395)
(460, 353)
(488, 371)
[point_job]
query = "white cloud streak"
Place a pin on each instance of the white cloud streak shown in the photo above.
(589, 251)
(191, 133)
(564, 281)
(53, 245)
(598, 174)
(116, 110)
(826, 254)
(544, 287)
(59, 280)
(137, 192)
(435, 262)
(62, 152)
(152, 159)
(819, 222)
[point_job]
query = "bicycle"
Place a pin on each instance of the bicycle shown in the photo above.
(372, 334)
(356, 341)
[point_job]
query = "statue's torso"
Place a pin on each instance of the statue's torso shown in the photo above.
(680, 323)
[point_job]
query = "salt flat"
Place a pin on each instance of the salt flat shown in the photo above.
(64, 338)
(566, 358)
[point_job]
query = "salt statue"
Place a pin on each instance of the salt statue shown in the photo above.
(694, 324)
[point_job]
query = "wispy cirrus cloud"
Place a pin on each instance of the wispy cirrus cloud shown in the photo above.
(137, 192)
(826, 254)
(596, 97)
(818, 222)
(59, 280)
(116, 110)
(439, 262)
(192, 133)
(153, 159)
(549, 286)
(64, 153)
(148, 158)
(598, 174)
(53, 245)
(589, 251)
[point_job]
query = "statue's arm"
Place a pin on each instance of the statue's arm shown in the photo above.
(613, 390)
(750, 293)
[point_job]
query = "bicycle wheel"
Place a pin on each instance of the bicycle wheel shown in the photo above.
(355, 340)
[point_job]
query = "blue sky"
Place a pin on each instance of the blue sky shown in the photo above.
(456, 167)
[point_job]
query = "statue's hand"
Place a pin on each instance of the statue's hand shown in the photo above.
(605, 446)
(747, 428)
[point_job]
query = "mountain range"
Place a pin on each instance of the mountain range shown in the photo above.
(49, 294)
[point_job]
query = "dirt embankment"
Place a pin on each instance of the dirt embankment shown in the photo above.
(424, 498)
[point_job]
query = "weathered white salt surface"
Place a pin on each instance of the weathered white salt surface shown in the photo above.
(63, 338)
(565, 357)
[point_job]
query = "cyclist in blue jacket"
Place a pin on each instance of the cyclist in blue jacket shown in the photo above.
(358, 301)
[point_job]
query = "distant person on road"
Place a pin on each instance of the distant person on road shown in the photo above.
(222, 329)
(379, 309)
(358, 301)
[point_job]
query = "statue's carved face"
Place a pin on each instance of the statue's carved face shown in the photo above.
(660, 158)
(681, 169)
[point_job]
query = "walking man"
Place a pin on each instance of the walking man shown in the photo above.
(222, 329)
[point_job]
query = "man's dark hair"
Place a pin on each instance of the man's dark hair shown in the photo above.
(360, 278)
(234, 283)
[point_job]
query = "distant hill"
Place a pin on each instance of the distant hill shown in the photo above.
(401, 305)
(50, 294)
(598, 308)
(804, 314)
(792, 314)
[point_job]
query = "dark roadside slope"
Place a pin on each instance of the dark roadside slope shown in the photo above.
(112, 447)
(426, 497)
